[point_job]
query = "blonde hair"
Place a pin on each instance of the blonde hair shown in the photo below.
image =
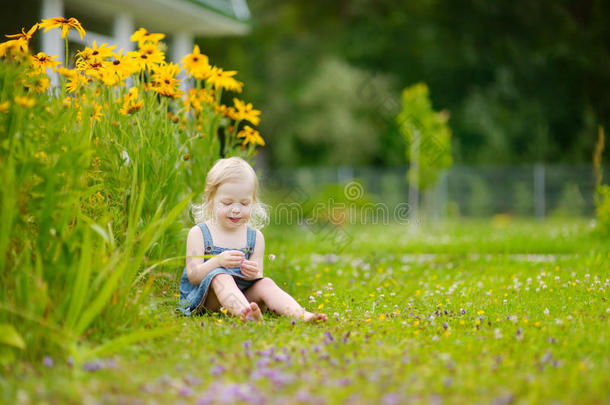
(233, 168)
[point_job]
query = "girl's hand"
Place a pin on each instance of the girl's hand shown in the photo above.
(230, 259)
(249, 268)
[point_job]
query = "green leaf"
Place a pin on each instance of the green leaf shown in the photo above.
(119, 343)
(9, 336)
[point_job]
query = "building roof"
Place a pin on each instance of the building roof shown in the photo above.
(196, 17)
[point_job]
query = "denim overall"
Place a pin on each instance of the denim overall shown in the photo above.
(192, 296)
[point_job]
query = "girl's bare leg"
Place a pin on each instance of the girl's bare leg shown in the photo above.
(279, 301)
(224, 292)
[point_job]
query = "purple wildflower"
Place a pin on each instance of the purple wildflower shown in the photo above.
(281, 358)
(217, 370)
(193, 381)
(92, 366)
(185, 391)
(344, 382)
(328, 338)
(445, 325)
(391, 399)
(263, 362)
(48, 361)
(205, 400)
(303, 396)
(267, 353)
(462, 311)
(293, 322)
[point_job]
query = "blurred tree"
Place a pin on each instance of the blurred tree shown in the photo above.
(428, 140)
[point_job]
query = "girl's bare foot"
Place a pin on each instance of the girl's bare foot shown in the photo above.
(314, 317)
(251, 313)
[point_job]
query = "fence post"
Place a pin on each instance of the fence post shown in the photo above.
(443, 195)
(539, 190)
(414, 167)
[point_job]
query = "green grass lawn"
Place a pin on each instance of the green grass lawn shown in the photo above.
(463, 312)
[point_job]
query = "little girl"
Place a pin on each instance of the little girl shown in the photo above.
(219, 272)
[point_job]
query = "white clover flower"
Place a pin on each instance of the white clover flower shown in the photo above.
(546, 311)
(125, 158)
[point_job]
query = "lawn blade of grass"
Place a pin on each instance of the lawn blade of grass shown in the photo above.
(9, 336)
(103, 296)
(80, 288)
(170, 261)
(121, 342)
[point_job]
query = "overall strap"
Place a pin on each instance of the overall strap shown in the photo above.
(251, 236)
(207, 238)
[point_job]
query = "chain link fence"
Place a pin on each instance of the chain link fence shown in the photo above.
(462, 191)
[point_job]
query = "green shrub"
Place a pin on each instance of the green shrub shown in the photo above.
(602, 209)
(95, 177)
(571, 203)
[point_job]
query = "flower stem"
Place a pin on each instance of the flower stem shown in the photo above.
(66, 60)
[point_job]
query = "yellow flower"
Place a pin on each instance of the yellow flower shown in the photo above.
(195, 98)
(40, 62)
(142, 36)
(94, 54)
(247, 112)
(26, 36)
(108, 77)
(40, 84)
(4, 107)
(122, 65)
(148, 56)
(24, 101)
(221, 79)
(40, 155)
(96, 114)
(225, 111)
(251, 136)
(76, 81)
(15, 48)
(165, 81)
(131, 103)
(91, 68)
(64, 24)
(197, 64)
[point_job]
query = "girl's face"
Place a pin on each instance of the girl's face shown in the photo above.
(233, 203)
